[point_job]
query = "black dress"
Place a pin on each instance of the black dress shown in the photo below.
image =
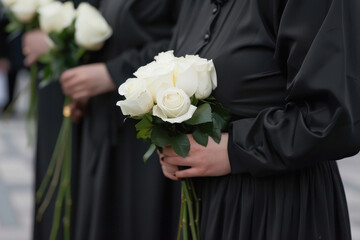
(50, 107)
(288, 71)
(121, 197)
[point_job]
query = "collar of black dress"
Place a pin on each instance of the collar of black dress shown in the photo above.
(219, 2)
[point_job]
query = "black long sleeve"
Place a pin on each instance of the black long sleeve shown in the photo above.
(317, 46)
(122, 67)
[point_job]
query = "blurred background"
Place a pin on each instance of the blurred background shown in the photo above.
(16, 175)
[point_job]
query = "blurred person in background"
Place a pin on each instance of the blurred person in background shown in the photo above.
(119, 196)
(50, 106)
(11, 62)
(116, 195)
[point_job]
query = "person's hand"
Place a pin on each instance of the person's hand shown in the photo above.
(34, 44)
(86, 81)
(5, 65)
(78, 110)
(209, 161)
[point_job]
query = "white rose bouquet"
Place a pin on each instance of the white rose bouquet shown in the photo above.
(71, 34)
(171, 98)
(23, 16)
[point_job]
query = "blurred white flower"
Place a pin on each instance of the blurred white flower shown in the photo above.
(8, 3)
(41, 3)
(91, 29)
(56, 16)
(24, 10)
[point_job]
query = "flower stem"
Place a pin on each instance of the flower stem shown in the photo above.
(53, 162)
(31, 115)
(189, 202)
(197, 206)
(149, 152)
(68, 200)
(184, 223)
(58, 204)
(55, 179)
(181, 213)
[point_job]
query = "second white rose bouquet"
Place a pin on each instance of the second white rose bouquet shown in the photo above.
(171, 98)
(23, 16)
(71, 34)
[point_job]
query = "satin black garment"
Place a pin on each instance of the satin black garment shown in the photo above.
(121, 197)
(289, 73)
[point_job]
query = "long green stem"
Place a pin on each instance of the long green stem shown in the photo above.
(60, 163)
(49, 172)
(59, 203)
(197, 206)
(53, 183)
(185, 223)
(189, 203)
(68, 200)
(181, 213)
(31, 117)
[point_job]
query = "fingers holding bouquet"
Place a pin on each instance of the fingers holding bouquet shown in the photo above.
(171, 99)
(86, 81)
(202, 161)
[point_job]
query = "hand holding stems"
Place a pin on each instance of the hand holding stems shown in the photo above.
(78, 109)
(34, 44)
(212, 160)
(86, 81)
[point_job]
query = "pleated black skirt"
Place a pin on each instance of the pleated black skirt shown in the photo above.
(309, 204)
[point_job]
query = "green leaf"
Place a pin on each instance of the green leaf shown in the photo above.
(144, 134)
(45, 58)
(80, 53)
(201, 137)
(160, 137)
(181, 145)
(201, 115)
(143, 124)
(214, 133)
(194, 101)
(149, 152)
(14, 26)
(220, 122)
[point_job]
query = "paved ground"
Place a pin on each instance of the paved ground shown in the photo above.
(16, 176)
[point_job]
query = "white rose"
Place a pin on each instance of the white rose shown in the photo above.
(24, 10)
(56, 16)
(91, 29)
(165, 57)
(41, 3)
(158, 76)
(138, 99)
(207, 80)
(8, 3)
(173, 105)
(186, 76)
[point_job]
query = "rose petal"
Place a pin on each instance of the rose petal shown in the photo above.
(157, 112)
(138, 106)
